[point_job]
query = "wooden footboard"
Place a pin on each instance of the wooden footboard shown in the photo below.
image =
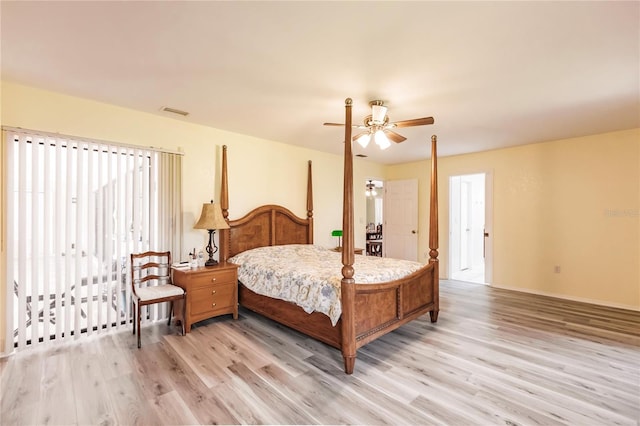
(376, 309)
(381, 308)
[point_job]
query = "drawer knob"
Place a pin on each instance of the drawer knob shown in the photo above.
(213, 305)
(213, 279)
(213, 292)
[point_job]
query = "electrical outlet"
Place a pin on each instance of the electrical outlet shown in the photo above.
(556, 269)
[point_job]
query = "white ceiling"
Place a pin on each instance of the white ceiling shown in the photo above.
(492, 74)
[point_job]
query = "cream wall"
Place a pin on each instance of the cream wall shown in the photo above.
(573, 203)
(260, 171)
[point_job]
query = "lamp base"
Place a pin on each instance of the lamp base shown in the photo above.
(211, 249)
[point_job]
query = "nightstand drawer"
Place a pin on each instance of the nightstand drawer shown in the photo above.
(219, 278)
(211, 298)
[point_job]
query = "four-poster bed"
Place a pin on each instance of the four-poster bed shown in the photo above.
(369, 310)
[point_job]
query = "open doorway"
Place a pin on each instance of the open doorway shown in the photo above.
(468, 228)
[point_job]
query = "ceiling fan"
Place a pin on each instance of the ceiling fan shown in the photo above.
(377, 125)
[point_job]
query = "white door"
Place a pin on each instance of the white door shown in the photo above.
(400, 229)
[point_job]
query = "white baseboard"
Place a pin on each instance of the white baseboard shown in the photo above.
(572, 298)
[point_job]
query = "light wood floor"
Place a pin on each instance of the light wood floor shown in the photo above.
(494, 357)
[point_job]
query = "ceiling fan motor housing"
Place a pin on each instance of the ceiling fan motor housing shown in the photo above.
(378, 113)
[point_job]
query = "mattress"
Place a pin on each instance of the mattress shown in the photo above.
(310, 275)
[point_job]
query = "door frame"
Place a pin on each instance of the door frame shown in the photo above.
(488, 227)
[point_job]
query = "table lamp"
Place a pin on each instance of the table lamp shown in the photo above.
(211, 219)
(337, 233)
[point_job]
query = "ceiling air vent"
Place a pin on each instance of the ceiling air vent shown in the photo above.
(175, 111)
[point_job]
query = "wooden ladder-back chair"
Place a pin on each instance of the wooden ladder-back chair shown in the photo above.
(151, 283)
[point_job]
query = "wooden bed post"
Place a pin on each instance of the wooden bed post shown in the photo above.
(347, 285)
(310, 202)
(224, 204)
(433, 231)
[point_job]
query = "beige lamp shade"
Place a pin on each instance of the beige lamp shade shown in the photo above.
(211, 217)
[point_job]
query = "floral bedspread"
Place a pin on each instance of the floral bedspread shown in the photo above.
(310, 275)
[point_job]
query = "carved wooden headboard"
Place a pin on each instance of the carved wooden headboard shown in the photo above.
(266, 225)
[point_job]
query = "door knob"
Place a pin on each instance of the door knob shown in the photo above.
(413, 231)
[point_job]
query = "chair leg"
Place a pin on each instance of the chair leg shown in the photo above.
(138, 319)
(133, 309)
(170, 312)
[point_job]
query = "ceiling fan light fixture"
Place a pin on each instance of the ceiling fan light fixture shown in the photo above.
(364, 139)
(370, 189)
(377, 126)
(381, 139)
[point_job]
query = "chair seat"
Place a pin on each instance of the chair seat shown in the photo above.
(158, 292)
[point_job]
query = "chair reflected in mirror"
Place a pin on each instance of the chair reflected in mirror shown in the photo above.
(374, 240)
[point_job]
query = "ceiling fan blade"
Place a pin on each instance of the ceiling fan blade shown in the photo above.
(397, 138)
(415, 122)
(357, 126)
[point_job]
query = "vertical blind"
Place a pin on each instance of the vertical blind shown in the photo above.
(76, 209)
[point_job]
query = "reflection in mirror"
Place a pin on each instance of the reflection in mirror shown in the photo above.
(374, 195)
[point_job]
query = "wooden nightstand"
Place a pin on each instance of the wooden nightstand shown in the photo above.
(211, 291)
